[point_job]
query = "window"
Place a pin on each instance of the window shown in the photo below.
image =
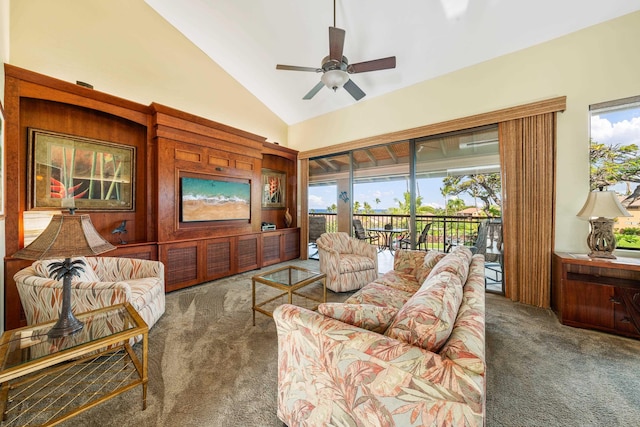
(615, 161)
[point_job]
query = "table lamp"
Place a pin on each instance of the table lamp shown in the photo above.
(66, 236)
(601, 209)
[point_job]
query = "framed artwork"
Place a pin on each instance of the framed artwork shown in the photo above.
(1, 161)
(214, 199)
(274, 184)
(70, 171)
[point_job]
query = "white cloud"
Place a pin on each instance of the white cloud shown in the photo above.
(316, 202)
(624, 132)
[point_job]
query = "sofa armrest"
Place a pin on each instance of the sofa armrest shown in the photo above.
(332, 373)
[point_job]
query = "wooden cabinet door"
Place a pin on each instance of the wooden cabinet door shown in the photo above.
(219, 258)
(588, 304)
(248, 249)
(180, 264)
(271, 246)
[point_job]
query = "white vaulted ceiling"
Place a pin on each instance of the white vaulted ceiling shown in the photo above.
(429, 38)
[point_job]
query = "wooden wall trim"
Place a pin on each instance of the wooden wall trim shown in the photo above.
(304, 208)
(39, 86)
(551, 105)
(278, 150)
(176, 118)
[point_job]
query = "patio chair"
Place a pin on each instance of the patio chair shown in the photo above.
(317, 226)
(421, 241)
(480, 246)
(362, 234)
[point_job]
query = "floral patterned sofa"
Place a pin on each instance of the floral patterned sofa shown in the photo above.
(105, 281)
(405, 350)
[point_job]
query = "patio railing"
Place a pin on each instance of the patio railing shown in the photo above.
(444, 230)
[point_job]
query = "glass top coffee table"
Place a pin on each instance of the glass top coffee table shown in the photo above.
(44, 381)
(290, 280)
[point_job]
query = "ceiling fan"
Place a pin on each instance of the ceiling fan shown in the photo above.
(335, 68)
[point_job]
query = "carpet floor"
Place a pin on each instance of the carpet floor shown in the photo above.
(209, 366)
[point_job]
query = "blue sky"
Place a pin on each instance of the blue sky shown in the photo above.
(320, 197)
(617, 127)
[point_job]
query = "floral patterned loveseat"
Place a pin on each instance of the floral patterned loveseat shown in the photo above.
(405, 350)
(105, 281)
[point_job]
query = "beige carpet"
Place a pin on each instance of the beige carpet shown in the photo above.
(210, 367)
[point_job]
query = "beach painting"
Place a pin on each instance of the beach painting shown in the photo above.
(214, 200)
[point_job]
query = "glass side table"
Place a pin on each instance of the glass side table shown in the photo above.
(289, 279)
(46, 381)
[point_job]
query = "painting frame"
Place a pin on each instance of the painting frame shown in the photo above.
(69, 171)
(274, 186)
(211, 198)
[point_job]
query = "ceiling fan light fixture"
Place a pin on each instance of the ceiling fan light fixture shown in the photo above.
(334, 79)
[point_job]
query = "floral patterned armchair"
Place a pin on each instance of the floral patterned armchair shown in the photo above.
(349, 263)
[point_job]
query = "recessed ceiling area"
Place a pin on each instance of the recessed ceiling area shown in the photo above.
(429, 38)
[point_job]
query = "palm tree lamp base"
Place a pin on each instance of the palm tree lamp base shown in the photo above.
(67, 323)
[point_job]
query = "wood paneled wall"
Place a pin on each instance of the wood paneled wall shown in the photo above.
(169, 143)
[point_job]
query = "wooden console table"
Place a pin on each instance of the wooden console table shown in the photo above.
(597, 293)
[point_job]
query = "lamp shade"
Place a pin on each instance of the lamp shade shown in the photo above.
(66, 236)
(334, 79)
(603, 204)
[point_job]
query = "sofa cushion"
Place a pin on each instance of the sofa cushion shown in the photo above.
(366, 316)
(87, 275)
(427, 318)
(402, 281)
(380, 295)
(456, 262)
(430, 260)
(351, 262)
(407, 260)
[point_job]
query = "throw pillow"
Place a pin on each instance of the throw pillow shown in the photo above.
(430, 261)
(88, 275)
(365, 316)
(427, 319)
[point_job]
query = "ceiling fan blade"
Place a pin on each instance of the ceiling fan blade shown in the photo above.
(336, 44)
(376, 64)
(296, 68)
(354, 90)
(313, 91)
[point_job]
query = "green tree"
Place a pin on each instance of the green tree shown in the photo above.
(332, 209)
(367, 208)
(486, 187)
(454, 205)
(404, 206)
(611, 164)
(356, 207)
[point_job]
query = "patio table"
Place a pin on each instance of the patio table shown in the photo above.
(386, 235)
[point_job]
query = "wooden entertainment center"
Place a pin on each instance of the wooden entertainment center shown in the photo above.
(597, 293)
(169, 145)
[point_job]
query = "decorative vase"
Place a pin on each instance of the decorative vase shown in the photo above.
(287, 218)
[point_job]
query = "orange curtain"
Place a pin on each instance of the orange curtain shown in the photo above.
(527, 152)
